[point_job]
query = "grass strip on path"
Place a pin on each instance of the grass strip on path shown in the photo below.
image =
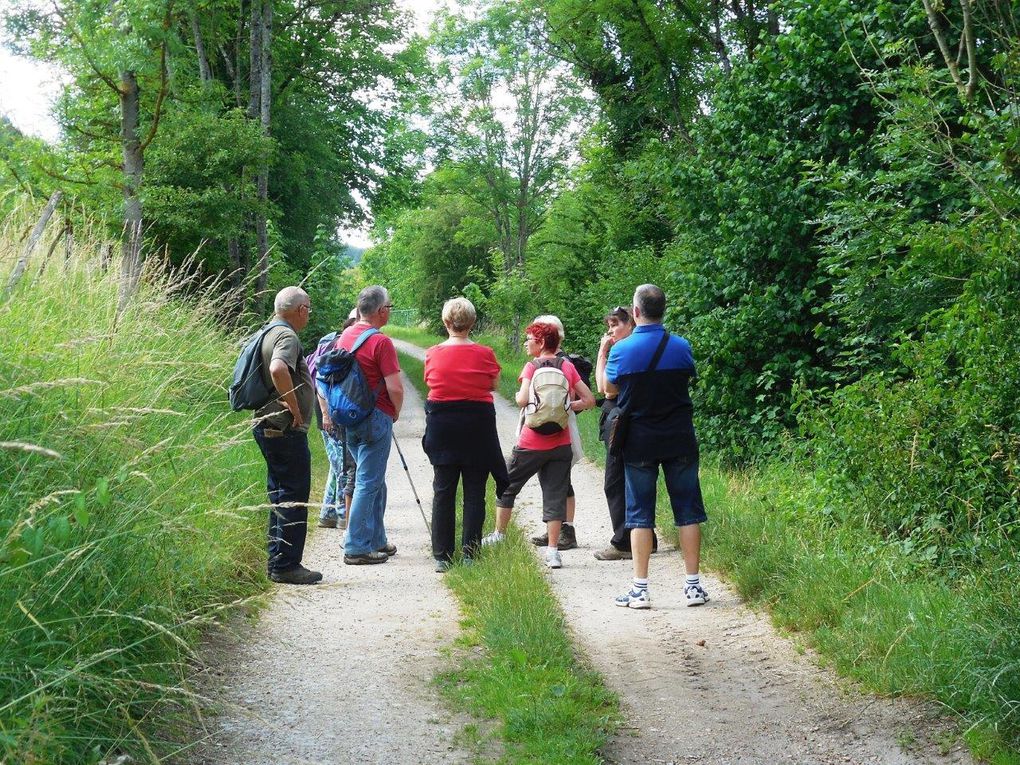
(548, 705)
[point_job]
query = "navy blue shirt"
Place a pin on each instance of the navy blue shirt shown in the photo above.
(657, 402)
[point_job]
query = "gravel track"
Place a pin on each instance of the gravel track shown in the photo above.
(340, 673)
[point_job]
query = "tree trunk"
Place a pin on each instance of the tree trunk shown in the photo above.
(131, 243)
(265, 82)
(33, 240)
(203, 60)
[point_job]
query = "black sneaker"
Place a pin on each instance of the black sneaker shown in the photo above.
(542, 540)
(297, 575)
(568, 537)
(366, 558)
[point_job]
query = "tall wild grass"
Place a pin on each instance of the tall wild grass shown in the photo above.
(125, 518)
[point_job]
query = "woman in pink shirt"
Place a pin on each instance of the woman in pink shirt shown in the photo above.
(546, 453)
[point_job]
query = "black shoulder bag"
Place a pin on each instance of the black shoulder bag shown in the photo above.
(619, 418)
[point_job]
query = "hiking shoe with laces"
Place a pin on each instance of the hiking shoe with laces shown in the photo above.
(568, 537)
(389, 548)
(553, 559)
(634, 599)
(327, 523)
(541, 540)
(493, 539)
(696, 595)
(297, 575)
(442, 566)
(611, 553)
(366, 558)
(341, 523)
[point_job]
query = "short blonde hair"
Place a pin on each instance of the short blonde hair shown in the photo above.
(459, 314)
(548, 318)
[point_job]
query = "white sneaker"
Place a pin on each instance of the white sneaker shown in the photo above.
(553, 559)
(493, 539)
(696, 595)
(634, 599)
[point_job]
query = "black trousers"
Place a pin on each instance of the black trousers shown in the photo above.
(614, 486)
(288, 484)
(444, 512)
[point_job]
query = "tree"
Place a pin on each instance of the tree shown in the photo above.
(510, 117)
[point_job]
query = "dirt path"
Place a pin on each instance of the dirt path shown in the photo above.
(340, 673)
(715, 684)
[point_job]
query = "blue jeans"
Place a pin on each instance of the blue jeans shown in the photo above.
(340, 481)
(288, 483)
(369, 444)
(681, 474)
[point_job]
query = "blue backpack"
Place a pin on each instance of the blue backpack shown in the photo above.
(341, 382)
(248, 389)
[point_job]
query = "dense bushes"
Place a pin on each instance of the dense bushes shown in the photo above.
(125, 519)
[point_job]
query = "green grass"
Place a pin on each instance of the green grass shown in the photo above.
(544, 701)
(948, 635)
(131, 516)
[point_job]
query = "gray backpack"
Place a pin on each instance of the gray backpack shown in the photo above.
(248, 390)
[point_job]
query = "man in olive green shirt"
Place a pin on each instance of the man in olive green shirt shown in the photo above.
(281, 431)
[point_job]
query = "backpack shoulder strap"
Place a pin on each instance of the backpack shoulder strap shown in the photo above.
(555, 362)
(659, 351)
(362, 338)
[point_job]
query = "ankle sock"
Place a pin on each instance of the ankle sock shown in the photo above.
(693, 579)
(640, 584)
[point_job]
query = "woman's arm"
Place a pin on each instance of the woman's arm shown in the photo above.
(584, 400)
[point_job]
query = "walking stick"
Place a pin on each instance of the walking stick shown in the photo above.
(410, 481)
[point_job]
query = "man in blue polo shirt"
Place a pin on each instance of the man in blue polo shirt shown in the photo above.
(649, 372)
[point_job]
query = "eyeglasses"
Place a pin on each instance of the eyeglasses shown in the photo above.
(307, 307)
(388, 305)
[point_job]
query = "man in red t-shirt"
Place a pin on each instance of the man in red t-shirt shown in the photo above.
(369, 442)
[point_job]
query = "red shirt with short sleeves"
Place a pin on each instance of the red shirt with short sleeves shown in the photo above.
(461, 372)
(378, 359)
(531, 439)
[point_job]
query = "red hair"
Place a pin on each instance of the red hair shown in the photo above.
(546, 333)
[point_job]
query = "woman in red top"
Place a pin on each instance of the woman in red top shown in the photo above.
(549, 455)
(460, 431)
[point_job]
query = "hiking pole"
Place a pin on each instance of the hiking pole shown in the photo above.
(413, 490)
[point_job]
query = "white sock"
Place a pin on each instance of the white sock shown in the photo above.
(693, 579)
(551, 549)
(640, 584)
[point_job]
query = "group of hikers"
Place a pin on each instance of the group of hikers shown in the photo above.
(642, 372)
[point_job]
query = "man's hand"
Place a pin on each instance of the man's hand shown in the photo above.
(290, 402)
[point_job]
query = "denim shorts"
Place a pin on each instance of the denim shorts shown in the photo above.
(681, 474)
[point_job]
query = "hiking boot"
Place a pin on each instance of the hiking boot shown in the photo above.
(442, 566)
(611, 553)
(327, 523)
(297, 575)
(567, 540)
(389, 548)
(366, 558)
(634, 599)
(493, 539)
(696, 595)
(568, 537)
(341, 523)
(553, 559)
